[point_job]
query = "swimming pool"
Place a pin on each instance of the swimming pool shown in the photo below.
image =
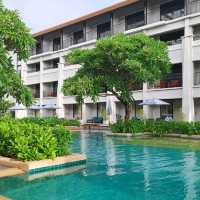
(116, 170)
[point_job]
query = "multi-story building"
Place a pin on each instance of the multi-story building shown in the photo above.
(176, 22)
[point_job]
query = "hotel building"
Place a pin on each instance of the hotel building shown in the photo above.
(177, 22)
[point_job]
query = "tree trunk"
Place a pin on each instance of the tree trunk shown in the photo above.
(127, 111)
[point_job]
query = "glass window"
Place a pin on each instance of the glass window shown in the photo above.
(56, 44)
(104, 30)
(78, 37)
(172, 10)
(135, 20)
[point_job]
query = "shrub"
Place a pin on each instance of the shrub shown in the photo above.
(51, 121)
(30, 141)
(157, 128)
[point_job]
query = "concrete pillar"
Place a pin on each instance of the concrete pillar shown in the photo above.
(41, 86)
(60, 111)
(146, 109)
(110, 109)
(187, 98)
(84, 114)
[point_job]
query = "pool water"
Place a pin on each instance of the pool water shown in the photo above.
(116, 170)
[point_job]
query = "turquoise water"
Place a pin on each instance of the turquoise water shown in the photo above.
(116, 170)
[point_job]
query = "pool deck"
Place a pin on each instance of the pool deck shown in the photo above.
(11, 167)
(9, 171)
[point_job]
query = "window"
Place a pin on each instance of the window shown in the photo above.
(172, 10)
(51, 64)
(35, 90)
(50, 89)
(33, 68)
(38, 47)
(78, 37)
(167, 110)
(135, 20)
(196, 32)
(173, 38)
(103, 30)
(56, 44)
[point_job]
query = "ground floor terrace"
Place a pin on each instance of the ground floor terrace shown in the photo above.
(110, 110)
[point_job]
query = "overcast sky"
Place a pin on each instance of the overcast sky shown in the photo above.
(41, 14)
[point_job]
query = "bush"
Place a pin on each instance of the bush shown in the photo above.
(30, 141)
(51, 121)
(157, 128)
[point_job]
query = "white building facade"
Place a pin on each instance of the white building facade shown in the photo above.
(176, 22)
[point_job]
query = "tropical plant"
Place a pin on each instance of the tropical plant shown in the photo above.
(117, 64)
(15, 39)
(30, 141)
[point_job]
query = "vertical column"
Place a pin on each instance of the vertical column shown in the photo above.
(84, 113)
(110, 109)
(41, 86)
(187, 97)
(22, 113)
(146, 109)
(60, 96)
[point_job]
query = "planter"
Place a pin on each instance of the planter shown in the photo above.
(44, 165)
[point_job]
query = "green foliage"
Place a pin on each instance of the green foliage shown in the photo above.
(117, 64)
(51, 121)
(157, 128)
(15, 37)
(30, 141)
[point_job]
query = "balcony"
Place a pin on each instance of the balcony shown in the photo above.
(197, 78)
(35, 90)
(57, 44)
(51, 64)
(50, 89)
(33, 68)
(172, 10)
(172, 38)
(104, 30)
(78, 37)
(135, 20)
(171, 81)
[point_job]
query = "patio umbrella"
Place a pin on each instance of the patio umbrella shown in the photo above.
(17, 107)
(153, 102)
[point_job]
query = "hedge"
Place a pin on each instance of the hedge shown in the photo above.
(50, 121)
(157, 128)
(29, 141)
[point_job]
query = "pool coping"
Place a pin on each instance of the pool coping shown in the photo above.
(147, 134)
(43, 165)
(4, 198)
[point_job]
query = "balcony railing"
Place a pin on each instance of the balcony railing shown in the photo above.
(174, 42)
(171, 81)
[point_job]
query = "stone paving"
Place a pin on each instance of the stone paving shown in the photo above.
(8, 171)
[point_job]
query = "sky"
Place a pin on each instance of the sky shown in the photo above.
(41, 14)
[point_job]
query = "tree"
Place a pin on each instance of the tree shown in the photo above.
(15, 38)
(117, 65)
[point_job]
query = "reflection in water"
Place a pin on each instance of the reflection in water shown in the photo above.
(110, 156)
(189, 175)
(117, 170)
(146, 170)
